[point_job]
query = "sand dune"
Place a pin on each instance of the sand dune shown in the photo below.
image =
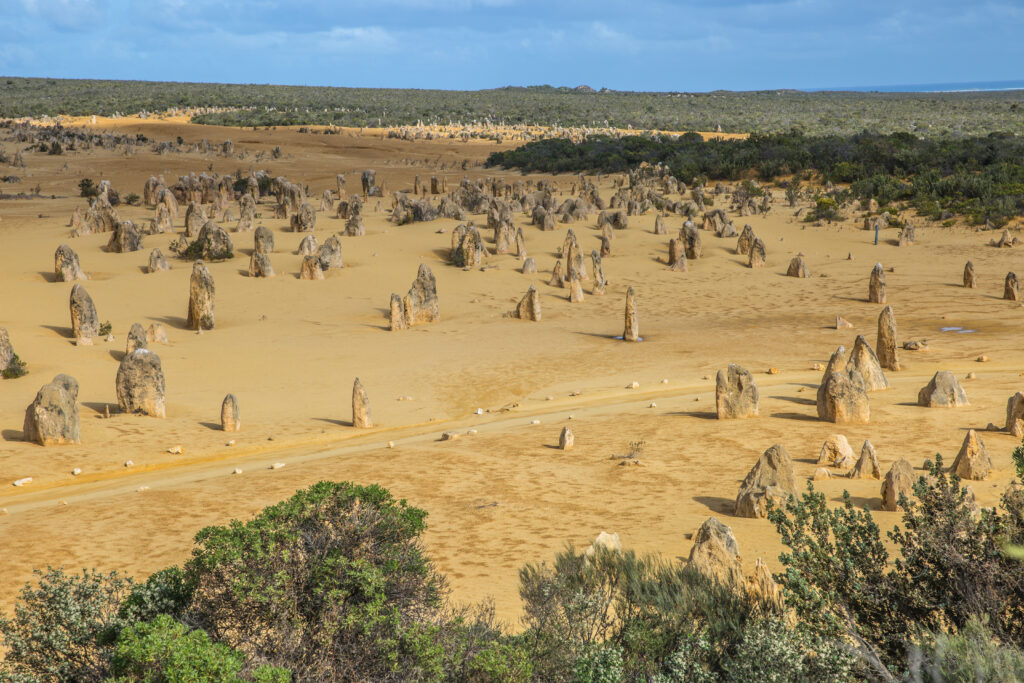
(289, 350)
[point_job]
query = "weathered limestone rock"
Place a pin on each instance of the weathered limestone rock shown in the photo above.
(716, 554)
(529, 306)
(421, 303)
(355, 227)
(157, 262)
(575, 289)
(970, 280)
(1011, 287)
(867, 465)
(846, 398)
(763, 589)
(195, 219)
(327, 201)
(745, 241)
(736, 394)
(140, 384)
(907, 236)
(943, 391)
(259, 265)
(659, 225)
(263, 240)
(836, 363)
(631, 333)
(557, 277)
(162, 223)
(520, 244)
(973, 461)
(677, 255)
(396, 318)
(842, 323)
(6, 350)
(200, 298)
(876, 285)
(467, 247)
(836, 452)
(136, 338)
(230, 419)
(599, 281)
(864, 361)
(303, 220)
(213, 243)
(886, 347)
(308, 246)
(529, 266)
(156, 334)
(52, 417)
(360, 406)
(1015, 415)
(798, 267)
(771, 478)
(690, 235)
(329, 254)
(758, 253)
(311, 268)
(66, 266)
(899, 480)
(566, 440)
(84, 323)
(125, 238)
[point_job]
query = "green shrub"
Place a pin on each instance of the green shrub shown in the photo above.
(166, 651)
(973, 654)
(105, 328)
(331, 584)
(15, 369)
(64, 627)
(87, 188)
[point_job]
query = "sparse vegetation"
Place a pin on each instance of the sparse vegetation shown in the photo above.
(15, 369)
(980, 177)
(105, 328)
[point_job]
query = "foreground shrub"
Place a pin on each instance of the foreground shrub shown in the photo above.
(64, 626)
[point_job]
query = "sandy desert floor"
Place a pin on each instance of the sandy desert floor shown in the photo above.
(290, 349)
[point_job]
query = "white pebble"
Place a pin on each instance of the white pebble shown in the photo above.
(633, 385)
(535, 422)
(23, 481)
(237, 470)
(277, 466)
(143, 488)
(664, 381)
(176, 450)
(75, 472)
(391, 444)
(479, 411)
(230, 443)
(471, 432)
(653, 405)
(128, 463)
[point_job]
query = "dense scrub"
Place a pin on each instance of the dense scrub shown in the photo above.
(964, 113)
(982, 177)
(334, 584)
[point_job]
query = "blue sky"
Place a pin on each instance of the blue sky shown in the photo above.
(470, 44)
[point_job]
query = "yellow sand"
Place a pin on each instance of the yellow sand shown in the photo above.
(290, 349)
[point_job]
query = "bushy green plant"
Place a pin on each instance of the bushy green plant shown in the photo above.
(166, 651)
(64, 626)
(972, 654)
(332, 583)
(105, 328)
(87, 188)
(15, 368)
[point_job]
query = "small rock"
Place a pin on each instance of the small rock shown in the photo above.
(535, 422)
(821, 473)
(391, 444)
(449, 436)
(237, 470)
(142, 488)
(664, 381)
(982, 358)
(971, 375)
(23, 481)
(129, 463)
(653, 405)
(575, 393)
(479, 411)
(915, 345)
(62, 502)
(842, 323)
(230, 443)
(773, 371)
(471, 432)
(176, 450)
(549, 398)
(109, 338)
(633, 385)
(75, 472)
(277, 466)
(818, 367)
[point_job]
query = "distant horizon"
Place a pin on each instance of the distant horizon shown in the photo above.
(909, 88)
